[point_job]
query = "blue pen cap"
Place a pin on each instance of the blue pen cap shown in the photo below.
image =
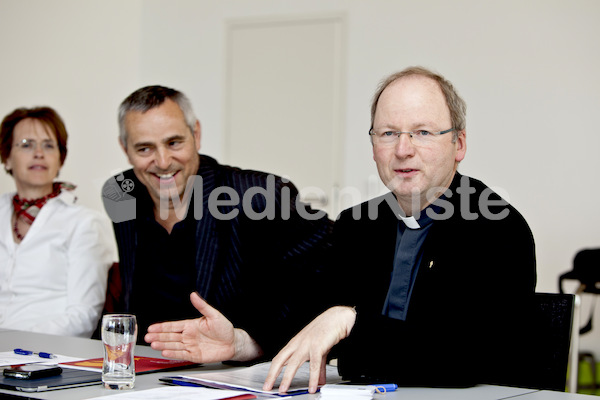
(385, 387)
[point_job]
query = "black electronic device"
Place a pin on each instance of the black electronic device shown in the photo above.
(69, 378)
(32, 371)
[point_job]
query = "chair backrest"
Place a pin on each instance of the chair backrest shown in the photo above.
(113, 295)
(586, 269)
(554, 329)
(113, 290)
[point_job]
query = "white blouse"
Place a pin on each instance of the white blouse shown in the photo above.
(54, 281)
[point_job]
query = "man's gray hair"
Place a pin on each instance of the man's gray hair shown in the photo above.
(456, 105)
(149, 97)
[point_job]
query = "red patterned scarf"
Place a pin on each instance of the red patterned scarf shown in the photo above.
(27, 210)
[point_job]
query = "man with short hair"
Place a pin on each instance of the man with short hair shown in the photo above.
(238, 240)
(436, 278)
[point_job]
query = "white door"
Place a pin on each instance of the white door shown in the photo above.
(284, 102)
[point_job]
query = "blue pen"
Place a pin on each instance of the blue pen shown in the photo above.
(385, 387)
(30, 353)
(184, 383)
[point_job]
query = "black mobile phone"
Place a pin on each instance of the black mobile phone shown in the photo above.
(32, 371)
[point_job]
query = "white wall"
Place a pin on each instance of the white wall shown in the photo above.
(527, 69)
(77, 57)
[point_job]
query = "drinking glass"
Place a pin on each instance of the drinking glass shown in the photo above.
(119, 334)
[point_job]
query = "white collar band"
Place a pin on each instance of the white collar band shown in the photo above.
(410, 222)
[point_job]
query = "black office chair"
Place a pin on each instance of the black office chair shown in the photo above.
(586, 270)
(553, 334)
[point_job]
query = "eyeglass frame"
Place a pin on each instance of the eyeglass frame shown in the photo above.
(410, 133)
(35, 145)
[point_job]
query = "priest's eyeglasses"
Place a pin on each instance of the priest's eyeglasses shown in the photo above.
(418, 138)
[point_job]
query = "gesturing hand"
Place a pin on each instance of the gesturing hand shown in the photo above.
(210, 338)
(313, 343)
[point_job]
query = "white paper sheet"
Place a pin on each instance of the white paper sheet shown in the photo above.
(10, 358)
(175, 392)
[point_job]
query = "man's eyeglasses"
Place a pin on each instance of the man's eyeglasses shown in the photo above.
(30, 145)
(417, 138)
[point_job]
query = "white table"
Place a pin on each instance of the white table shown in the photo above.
(88, 348)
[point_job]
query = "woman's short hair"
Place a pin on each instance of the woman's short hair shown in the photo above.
(46, 116)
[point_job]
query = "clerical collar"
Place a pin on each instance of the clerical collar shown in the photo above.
(410, 222)
(424, 218)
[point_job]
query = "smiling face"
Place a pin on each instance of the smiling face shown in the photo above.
(162, 150)
(33, 167)
(416, 174)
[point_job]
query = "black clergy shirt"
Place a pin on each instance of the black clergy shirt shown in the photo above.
(409, 244)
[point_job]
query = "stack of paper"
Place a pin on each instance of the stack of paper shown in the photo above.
(251, 379)
(346, 392)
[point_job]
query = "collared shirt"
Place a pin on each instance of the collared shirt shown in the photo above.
(410, 237)
(54, 280)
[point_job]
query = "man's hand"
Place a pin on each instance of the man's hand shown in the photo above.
(211, 338)
(313, 343)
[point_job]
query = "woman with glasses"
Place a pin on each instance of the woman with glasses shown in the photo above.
(54, 254)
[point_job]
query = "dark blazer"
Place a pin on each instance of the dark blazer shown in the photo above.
(468, 314)
(255, 271)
